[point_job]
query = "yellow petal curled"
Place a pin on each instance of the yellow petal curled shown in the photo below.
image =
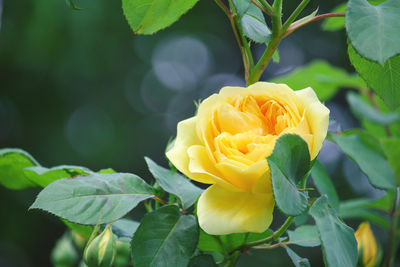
(221, 211)
(317, 116)
(178, 154)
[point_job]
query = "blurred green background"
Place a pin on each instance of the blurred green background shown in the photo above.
(78, 87)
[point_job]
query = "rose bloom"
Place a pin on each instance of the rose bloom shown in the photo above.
(226, 145)
(366, 244)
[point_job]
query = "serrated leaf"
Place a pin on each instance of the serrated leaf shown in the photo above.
(374, 30)
(289, 163)
(296, 259)
(165, 238)
(384, 80)
(364, 111)
(12, 163)
(44, 176)
(305, 236)
(391, 148)
(87, 198)
(371, 162)
(254, 25)
(325, 79)
(324, 184)
(339, 245)
(335, 24)
(150, 16)
(174, 183)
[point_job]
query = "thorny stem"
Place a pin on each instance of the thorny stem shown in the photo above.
(296, 26)
(264, 8)
(294, 15)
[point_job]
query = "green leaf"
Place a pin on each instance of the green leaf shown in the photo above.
(44, 176)
(150, 16)
(296, 259)
(364, 111)
(174, 183)
(254, 25)
(370, 161)
(289, 163)
(125, 229)
(305, 236)
(87, 198)
(202, 261)
(241, 6)
(325, 79)
(324, 184)
(275, 56)
(165, 238)
(339, 244)
(384, 80)
(391, 148)
(358, 209)
(374, 30)
(12, 163)
(227, 243)
(335, 24)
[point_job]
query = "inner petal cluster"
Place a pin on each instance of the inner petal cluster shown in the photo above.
(246, 127)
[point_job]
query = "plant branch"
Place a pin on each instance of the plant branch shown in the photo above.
(160, 200)
(296, 26)
(241, 40)
(224, 8)
(266, 5)
(295, 14)
(266, 10)
(277, 245)
(273, 237)
(276, 37)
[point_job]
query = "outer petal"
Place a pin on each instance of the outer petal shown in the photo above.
(178, 154)
(224, 212)
(317, 116)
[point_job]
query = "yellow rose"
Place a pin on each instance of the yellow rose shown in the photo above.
(366, 245)
(226, 145)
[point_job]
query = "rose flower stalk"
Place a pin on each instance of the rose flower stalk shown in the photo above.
(226, 145)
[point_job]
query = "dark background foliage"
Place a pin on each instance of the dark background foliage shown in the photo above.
(78, 87)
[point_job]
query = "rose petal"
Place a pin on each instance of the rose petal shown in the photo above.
(224, 212)
(317, 116)
(178, 154)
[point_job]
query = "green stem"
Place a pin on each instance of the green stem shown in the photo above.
(267, 6)
(273, 237)
(298, 25)
(224, 8)
(295, 14)
(267, 10)
(276, 19)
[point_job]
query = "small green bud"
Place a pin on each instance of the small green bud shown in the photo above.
(100, 252)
